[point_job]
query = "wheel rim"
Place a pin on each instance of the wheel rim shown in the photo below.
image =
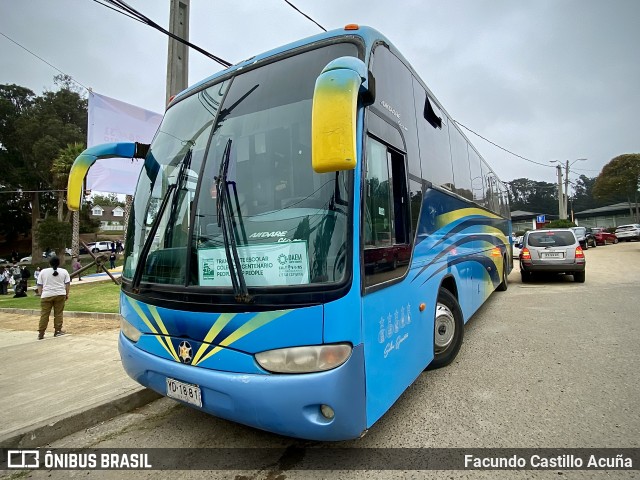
(445, 328)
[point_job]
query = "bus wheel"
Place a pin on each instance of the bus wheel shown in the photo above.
(448, 330)
(505, 283)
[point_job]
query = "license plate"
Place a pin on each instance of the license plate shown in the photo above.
(186, 392)
(552, 255)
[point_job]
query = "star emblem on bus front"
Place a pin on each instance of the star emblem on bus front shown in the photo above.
(185, 352)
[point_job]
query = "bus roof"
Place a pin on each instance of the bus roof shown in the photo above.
(368, 35)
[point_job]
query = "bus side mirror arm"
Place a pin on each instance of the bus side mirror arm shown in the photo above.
(86, 159)
(335, 112)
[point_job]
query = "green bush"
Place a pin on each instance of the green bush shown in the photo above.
(560, 224)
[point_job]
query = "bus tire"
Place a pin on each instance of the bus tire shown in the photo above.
(448, 330)
(505, 282)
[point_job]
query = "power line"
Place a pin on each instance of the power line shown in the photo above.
(128, 11)
(43, 60)
(502, 148)
(304, 14)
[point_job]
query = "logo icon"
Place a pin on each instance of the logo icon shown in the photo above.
(185, 352)
(282, 259)
(23, 459)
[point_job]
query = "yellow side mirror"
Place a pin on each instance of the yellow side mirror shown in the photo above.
(83, 163)
(334, 115)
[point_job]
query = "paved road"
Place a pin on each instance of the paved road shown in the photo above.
(548, 364)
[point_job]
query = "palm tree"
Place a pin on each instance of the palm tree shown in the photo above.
(60, 169)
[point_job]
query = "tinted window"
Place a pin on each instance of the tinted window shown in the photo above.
(433, 141)
(460, 158)
(477, 181)
(394, 101)
(551, 239)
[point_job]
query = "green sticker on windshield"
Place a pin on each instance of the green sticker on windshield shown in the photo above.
(282, 263)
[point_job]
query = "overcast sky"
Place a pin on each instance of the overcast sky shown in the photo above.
(546, 79)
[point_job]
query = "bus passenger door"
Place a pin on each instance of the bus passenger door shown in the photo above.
(393, 330)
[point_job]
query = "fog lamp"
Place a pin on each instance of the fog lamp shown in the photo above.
(327, 412)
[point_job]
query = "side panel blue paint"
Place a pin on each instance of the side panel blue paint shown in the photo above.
(398, 343)
(454, 239)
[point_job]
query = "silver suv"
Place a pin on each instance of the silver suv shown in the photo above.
(552, 250)
(628, 232)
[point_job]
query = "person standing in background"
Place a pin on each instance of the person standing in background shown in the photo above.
(76, 265)
(53, 288)
(4, 281)
(36, 274)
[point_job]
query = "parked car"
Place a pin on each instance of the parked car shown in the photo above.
(516, 250)
(602, 236)
(585, 237)
(51, 253)
(628, 232)
(26, 259)
(552, 250)
(96, 247)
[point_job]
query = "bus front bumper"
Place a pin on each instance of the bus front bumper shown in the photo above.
(284, 404)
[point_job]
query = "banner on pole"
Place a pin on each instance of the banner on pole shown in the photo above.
(111, 120)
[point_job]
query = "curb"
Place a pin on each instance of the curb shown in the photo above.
(91, 315)
(48, 431)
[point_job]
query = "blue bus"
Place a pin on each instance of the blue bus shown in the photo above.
(309, 232)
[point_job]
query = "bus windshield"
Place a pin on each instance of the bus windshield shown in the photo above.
(290, 225)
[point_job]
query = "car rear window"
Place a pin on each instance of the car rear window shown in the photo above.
(551, 239)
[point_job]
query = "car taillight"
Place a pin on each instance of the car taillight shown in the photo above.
(579, 252)
(525, 254)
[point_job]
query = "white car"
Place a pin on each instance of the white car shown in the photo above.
(516, 250)
(628, 232)
(96, 247)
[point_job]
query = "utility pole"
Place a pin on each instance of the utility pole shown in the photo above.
(561, 208)
(178, 54)
(566, 188)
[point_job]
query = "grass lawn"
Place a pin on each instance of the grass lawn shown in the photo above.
(89, 297)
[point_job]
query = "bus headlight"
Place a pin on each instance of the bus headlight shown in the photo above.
(316, 358)
(129, 331)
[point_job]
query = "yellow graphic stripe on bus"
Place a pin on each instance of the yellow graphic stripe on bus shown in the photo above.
(256, 322)
(496, 232)
(216, 328)
(447, 218)
(148, 323)
(156, 317)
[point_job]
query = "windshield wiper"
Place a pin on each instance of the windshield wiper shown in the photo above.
(179, 186)
(137, 276)
(226, 222)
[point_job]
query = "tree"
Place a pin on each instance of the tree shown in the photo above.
(33, 130)
(60, 169)
(620, 178)
(533, 196)
(54, 235)
(109, 200)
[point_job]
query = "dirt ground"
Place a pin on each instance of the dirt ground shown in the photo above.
(74, 325)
